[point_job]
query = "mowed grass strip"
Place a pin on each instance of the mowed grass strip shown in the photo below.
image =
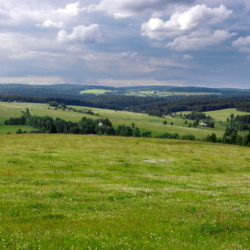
(98, 192)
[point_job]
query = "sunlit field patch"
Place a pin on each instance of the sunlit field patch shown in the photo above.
(85, 192)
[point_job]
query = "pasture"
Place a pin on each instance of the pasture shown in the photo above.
(143, 121)
(145, 93)
(220, 115)
(99, 192)
(95, 91)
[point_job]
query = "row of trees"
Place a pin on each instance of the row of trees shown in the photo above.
(195, 115)
(177, 136)
(84, 126)
(240, 123)
(234, 138)
(16, 121)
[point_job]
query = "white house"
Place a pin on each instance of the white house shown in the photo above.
(203, 124)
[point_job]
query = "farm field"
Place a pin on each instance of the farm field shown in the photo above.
(4, 129)
(165, 93)
(224, 114)
(143, 121)
(221, 115)
(146, 93)
(100, 192)
(95, 91)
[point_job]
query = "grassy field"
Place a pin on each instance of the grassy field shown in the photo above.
(162, 94)
(146, 93)
(98, 192)
(95, 91)
(221, 115)
(143, 121)
(4, 129)
(224, 114)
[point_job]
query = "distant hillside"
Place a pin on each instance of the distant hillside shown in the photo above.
(153, 100)
(70, 90)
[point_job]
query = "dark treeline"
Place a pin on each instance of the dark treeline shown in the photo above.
(34, 99)
(84, 126)
(244, 106)
(197, 103)
(240, 122)
(197, 116)
(47, 124)
(157, 106)
(231, 136)
(16, 121)
(243, 122)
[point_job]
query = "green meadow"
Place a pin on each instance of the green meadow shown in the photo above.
(95, 91)
(145, 93)
(165, 93)
(221, 115)
(224, 114)
(143, 121)
(100, 192)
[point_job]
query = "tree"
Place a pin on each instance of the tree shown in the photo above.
(22, 120)
(213, 137)
(53, 104)
(53, 129)
(27, 112)
(136, 132)
(19, 131)
(48, 125)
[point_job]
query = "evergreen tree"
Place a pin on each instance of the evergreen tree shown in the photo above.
(53, 129)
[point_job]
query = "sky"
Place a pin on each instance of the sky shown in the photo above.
(203, 43)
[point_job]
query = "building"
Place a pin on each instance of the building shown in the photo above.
(203, 124)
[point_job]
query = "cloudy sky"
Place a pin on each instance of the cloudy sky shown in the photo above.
(126, 42)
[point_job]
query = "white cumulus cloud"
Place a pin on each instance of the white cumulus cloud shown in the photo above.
(180, 22)
(49, 23)
(81, 33)
(19, 14)
(199, 39)
(242, 44)
(71, 9)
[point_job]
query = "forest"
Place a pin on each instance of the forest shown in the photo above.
(156, 106)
